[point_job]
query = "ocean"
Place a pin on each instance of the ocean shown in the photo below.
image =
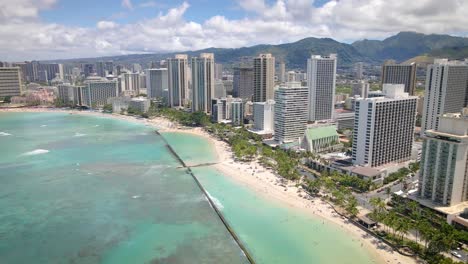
(83, 189)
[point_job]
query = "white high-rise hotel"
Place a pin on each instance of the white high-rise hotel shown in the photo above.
(383, 127)
(263, 113)
(446, 91)
(290, 108)
(321, 79)
(443, 176)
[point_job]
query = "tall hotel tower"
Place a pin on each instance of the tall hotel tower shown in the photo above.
(264, 78)
(321, 79)
(178, 82)
(202, 82)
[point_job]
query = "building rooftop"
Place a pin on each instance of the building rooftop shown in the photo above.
(319, 132)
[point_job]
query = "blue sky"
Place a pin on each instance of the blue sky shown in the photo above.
(56, 29)
(87, 13)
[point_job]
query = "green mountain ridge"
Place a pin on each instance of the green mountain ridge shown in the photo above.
(400, 47)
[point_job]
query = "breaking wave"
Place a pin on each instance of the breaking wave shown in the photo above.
(36, 152)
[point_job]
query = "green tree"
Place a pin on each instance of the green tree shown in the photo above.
(107, 108)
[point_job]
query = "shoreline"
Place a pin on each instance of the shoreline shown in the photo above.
(260, 180)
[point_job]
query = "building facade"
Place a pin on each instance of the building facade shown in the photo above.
(156, 82)
(360, 88)
(243, 83)
(264, 116)
(443, 177)
(237, 112)
(96, 93)
(290, 120)
(202, 82)
(178, 80)
(400, 74)
(132, 82)
(321, 138)
(384, 127)
(321, 79)
(446, 91)
(264, 77)
(10, 81)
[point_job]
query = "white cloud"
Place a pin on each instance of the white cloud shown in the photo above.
(148, 4)
(24, 36)
(106, 25)
(127, 4)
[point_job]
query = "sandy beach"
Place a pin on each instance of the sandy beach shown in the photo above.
(262, 181)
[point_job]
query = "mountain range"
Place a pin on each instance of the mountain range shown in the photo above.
(400, 47)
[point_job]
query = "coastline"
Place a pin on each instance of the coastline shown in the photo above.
(262, 181)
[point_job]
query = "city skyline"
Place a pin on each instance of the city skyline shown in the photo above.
(44, 29)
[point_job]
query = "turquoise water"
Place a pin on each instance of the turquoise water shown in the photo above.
(108, 191)
(76, 189)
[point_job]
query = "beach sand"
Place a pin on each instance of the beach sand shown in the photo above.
(262, 181)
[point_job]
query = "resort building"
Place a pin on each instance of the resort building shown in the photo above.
(321, 79)
(96, 92)
(321, 138)
(140, 104)
(178, 80)
(400, 74)
(443, 177)
(156, 82)
(10, 81)
(237, 112)
(243, 83)
(446, 91)
(202, 82)
(264, 77)
(290, 112)
(263, 114)
(132, 82)
(119, 104)
(383, 127)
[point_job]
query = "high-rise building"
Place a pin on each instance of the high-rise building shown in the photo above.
(446, 91)
(282, 72)
(97, 91)
(264, 116)
(202, 82)
(10, 81)
(132, 82)
(237, 112)
(290, 112)
(178, 80)
(156, 82)
(321, 79)
(100, 69)
(88, 69)
(384, 127)
(109, 68)
(443, 177)
(243, 83)
(358, 67)
(219, 90)
(400, 74)
(218, 69)
(360, 88)
(264, 77)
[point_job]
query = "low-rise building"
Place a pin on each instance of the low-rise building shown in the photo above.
(321, 138)
(140, 104)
